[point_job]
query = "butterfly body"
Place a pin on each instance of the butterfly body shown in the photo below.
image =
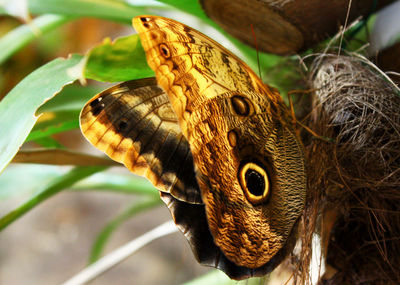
(238, 150)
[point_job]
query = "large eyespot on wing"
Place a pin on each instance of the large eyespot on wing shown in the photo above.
(191, 67)
(134, 124)
(255, 184)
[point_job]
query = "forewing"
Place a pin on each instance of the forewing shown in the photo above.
(191, 67)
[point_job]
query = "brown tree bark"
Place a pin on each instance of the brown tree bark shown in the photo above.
(286, 26)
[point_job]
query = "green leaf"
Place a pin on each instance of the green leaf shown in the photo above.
(22, 35)
(191, 7)
(34, 178)
(61, 113)
(105, 9)
(50, 119)
(48, 142)
(71, 98)
(14, 8)
(105, 234)
(54, 186)
(121, 60)
(18, 108)
(129, 183)
(65, 10)
(53, 129)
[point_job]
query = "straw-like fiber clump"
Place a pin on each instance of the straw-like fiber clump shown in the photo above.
(354, 175)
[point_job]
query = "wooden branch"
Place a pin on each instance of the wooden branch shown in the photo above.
(286, 26)
(61, 157)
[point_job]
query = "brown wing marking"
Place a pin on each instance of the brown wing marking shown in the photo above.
(134, 124)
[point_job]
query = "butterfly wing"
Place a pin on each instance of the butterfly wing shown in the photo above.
(134, 124)
(249, 159)
(191, 67)
(191, 220)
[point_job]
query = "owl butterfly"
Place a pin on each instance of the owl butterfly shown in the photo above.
(218, 143)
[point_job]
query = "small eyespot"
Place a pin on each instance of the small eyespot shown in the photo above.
(232, 138)
(96, 101)
(145, 22)
(164, 50)
(153, 36)
(122, 125)
(254, 182)
(97, 106)
(240, 105)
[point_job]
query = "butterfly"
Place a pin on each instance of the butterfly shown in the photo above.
(218, 143)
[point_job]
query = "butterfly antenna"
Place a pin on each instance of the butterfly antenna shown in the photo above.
(258, 54)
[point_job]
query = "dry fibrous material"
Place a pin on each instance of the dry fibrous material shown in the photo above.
(354, 180)
(363, 109)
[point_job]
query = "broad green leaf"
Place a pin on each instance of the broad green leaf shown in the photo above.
(15, 8)
(34, 178)
(54, 186)
(48, 142)
(129, 183)
(65, 10)
(191, 7)
(121, 60)
(61, 157)
(105, 9)
(22, 35)
(105, 234)
(18, 107)
(71, 98)
(61, 113)
(40, 133)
